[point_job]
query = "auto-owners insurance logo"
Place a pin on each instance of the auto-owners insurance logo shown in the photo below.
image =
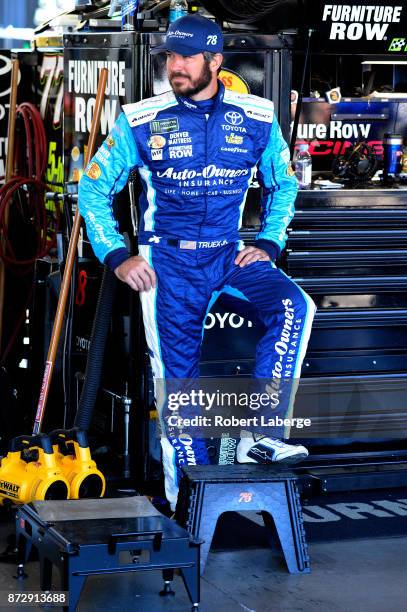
(179, 34)
(234, 118)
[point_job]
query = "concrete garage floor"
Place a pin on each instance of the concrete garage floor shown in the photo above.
(363, 575)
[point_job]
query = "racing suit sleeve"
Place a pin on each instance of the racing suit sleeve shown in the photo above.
(106, 174)
(280, 188)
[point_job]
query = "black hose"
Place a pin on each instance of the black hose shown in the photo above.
(100, 330)
(300, 95)
(67, 349)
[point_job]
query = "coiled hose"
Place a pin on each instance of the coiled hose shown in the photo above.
(26, 193)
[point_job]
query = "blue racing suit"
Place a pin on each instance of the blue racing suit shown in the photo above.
(196, 161)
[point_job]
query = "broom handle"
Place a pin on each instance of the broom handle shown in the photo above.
(73, 242)
(11, 130)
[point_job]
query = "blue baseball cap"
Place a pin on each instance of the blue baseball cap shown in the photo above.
(191, 35)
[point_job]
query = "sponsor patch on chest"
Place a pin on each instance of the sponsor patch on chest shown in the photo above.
(164, 126)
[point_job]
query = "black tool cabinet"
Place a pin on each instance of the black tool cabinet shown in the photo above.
(347, 248)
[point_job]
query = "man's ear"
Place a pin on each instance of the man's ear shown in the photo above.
(216, 62)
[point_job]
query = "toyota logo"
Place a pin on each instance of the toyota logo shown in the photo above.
(234, 118)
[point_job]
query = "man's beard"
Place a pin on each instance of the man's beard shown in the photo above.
(195, 86)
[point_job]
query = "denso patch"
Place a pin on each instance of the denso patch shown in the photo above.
(164, 126)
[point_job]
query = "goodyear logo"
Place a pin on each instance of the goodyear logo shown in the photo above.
(233, 81)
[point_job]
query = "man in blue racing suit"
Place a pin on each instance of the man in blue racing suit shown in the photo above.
(197, 149)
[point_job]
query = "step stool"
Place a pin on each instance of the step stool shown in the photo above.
(85, 537)
(206, 491)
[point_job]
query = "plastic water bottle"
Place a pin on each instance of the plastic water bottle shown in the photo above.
(403, 162)
(178, 8)
(129, 14)
(303, 167)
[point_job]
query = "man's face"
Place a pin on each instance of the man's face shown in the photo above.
(188, 75)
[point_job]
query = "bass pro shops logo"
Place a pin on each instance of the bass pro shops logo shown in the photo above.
(356, 22)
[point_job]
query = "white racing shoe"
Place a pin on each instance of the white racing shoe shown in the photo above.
(262, 449)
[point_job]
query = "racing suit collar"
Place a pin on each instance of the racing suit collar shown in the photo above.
(192, 106)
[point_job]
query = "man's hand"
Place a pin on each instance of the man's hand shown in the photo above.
(137, 273)
(249, 255)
